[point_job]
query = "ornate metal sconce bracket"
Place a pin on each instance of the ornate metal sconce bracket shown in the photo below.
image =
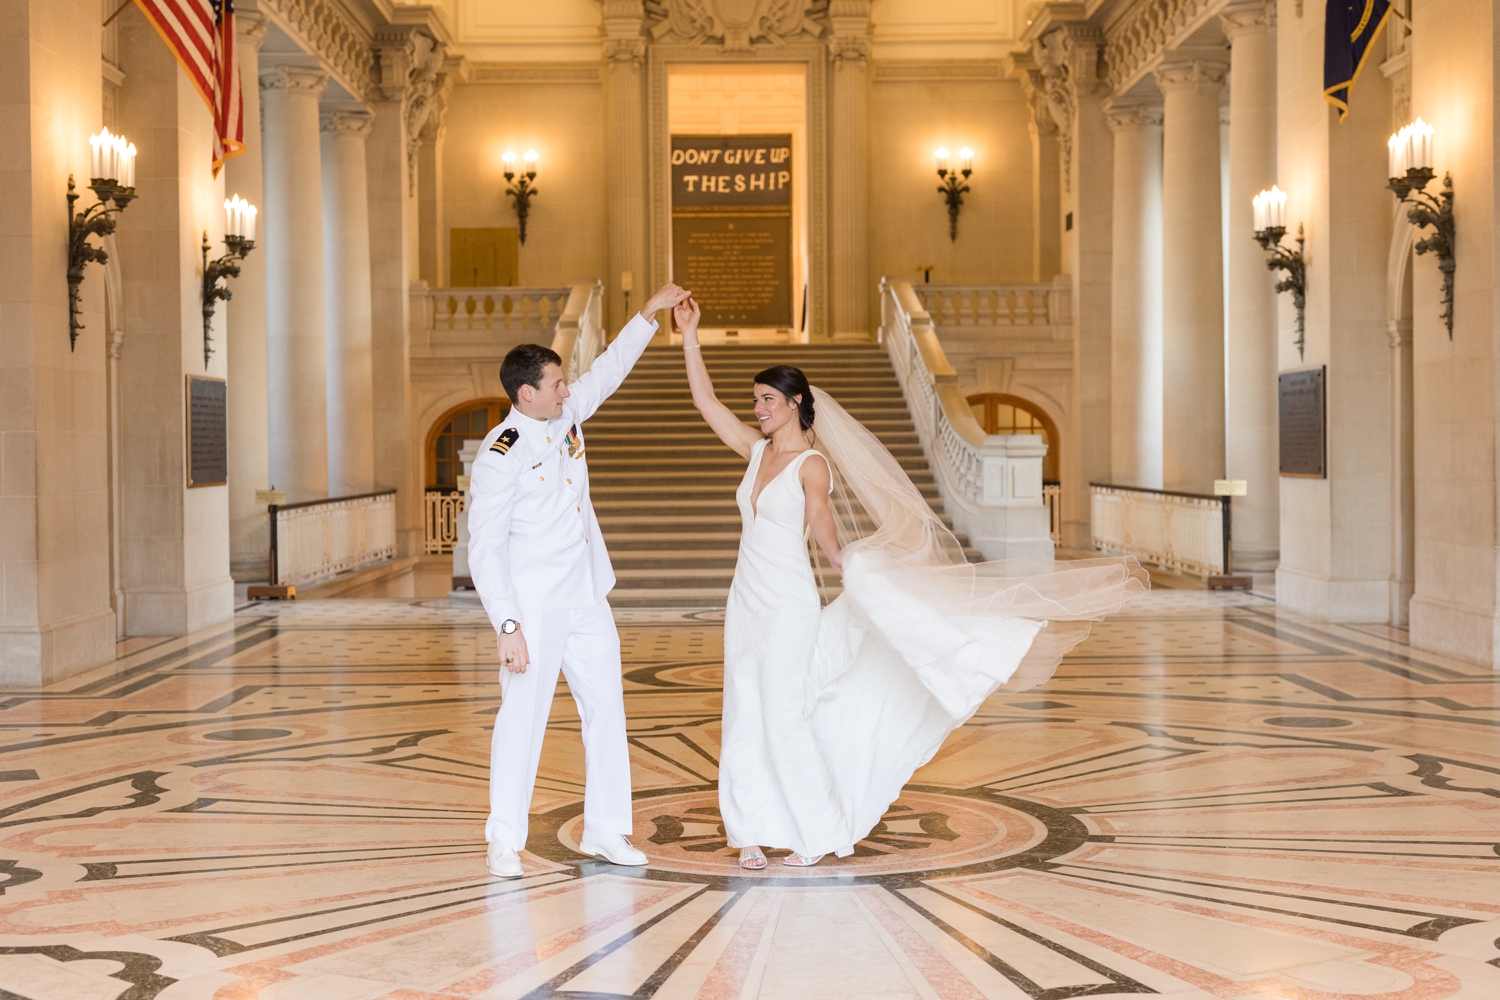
(954, 190)
(1425, 211)
(97, 220)
(216, 275)
(521, 192)
(1295, 266)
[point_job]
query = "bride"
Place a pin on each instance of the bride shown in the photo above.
(829, 710)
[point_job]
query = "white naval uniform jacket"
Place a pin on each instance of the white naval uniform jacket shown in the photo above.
(534, 543)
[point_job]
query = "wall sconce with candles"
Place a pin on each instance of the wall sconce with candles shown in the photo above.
(952, 188)
(112, 179)
(1270, 227)
(239, 238)
(1411, 172)
(522, 190)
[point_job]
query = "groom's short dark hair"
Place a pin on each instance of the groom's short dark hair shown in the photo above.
(523, 366)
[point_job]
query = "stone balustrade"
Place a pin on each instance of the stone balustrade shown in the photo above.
(991, 483)
(1179, 531)
(509, 310)
(996, 305)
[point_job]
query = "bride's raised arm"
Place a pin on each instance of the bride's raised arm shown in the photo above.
(731, 430)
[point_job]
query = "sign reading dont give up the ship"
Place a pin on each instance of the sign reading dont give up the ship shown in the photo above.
(732, 227)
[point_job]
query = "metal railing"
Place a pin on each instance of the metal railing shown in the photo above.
(1187, 532)
(997, 305)
(1052, 497)
(319, 539)
(514, 310)
(991, 484)
(441, 513)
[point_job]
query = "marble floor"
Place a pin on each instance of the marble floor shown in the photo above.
(1209, 801)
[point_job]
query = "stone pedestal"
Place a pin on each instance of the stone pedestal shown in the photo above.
(1135, 298)
(245, 321)
(1193, 275)
(292, 237)
(1013, 522)
(1250, 432)
(346, 264)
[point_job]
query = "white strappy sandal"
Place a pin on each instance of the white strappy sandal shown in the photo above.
(752, 858)
(795, 860)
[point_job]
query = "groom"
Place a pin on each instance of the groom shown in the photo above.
(538, 562)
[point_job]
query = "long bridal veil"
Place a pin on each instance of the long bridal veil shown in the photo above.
(919, 637)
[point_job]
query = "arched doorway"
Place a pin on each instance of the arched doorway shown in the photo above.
(473, 419)
(1001, 413)
(443, 499)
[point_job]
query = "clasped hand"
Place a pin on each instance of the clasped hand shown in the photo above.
(513, 653)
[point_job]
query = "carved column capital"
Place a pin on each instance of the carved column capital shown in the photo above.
(289, 76)
(1185, 74)
(351, 121)
(625, 50)
(1123, 115)
(1240, 18)
(849, 37)
(250, 27)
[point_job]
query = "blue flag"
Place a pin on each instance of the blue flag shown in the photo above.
(1349, 30)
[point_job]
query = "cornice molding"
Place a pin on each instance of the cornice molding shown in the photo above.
(1146, 32)
(536, 72)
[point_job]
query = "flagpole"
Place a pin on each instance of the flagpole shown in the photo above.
(118, 11)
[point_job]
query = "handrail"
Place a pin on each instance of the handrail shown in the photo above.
(580, 330)
(1187, 532)
(991, 483)
(1170, 493)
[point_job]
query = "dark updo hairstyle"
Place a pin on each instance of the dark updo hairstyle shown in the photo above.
(791, 383)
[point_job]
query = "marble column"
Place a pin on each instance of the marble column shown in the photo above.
(1192, 274)
(1250, 429)
(346, 268)
(296, 322)
(852, 286)
(1135, 297)
(245, 317)
(624, 144)
(1068, 57)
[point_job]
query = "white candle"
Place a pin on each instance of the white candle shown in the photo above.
(248, 222)
(509, 160)
(129, 170)
(1276, 204)
(966, 159)
(1421, 153)
(531, 159)
(1393, 156)
(941, 156)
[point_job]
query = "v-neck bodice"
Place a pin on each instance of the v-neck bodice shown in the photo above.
(773, 560)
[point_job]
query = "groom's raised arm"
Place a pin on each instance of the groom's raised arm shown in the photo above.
(610, 368)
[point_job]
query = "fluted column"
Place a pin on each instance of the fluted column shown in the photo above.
(1250, 441)
(1135, 297)
(849, 239)
(346, 266)
(292, 231)
(624, 144)
(245, 340)
(1192, 275)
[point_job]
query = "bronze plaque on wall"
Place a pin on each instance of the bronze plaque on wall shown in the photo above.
(208, 432)
(1303, 417)
(732, 227)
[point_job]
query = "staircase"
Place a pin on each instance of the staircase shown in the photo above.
(663, 485)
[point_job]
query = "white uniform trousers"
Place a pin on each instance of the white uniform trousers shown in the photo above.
(584, 645)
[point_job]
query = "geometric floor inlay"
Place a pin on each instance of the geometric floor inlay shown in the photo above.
(1209, 800)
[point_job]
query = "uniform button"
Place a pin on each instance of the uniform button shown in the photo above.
(543, 478)
(549, 440)
(570, 482)
(579, 509)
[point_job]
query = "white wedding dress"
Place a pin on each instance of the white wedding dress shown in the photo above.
(828, 711)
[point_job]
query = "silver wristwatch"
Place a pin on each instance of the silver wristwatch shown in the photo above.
(509, 625)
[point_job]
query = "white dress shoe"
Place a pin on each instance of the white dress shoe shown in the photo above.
(503, 862)
(612, 847)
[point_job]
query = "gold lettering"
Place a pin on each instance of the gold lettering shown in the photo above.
(691, 180)
(760, 155)
(715, 155)
(783, 178)
(677, 157)
(758, 181)
(739, 182)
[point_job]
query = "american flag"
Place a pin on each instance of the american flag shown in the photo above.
(200, 34)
